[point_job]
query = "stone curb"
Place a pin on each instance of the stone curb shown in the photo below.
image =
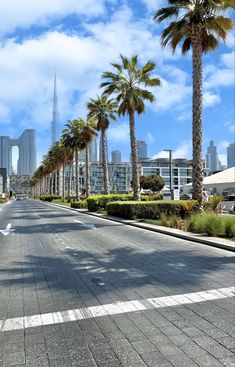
(212, 241)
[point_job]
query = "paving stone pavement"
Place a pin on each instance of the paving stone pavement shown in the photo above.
(57, 260)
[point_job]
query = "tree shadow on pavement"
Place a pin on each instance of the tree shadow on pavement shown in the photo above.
(118, 270)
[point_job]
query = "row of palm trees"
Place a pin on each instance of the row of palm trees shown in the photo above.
(197, 25)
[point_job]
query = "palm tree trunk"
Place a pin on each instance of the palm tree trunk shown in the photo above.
(105, 162)
(70, 180)
(51, 184)
(77, 174)
(87, 170)
(197, 172)
(63, 180)
(134, 155)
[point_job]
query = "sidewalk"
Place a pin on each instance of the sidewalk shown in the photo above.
(199, 238)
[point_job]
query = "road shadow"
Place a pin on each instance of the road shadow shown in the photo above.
(120, 269)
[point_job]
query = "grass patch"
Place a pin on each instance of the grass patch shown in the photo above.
(61, 202)
(156, 222)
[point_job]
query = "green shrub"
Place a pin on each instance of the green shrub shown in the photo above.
(49, 198)
(214, 225)
(79, 204)
(229, 226)
(2, 200)
(146, 209)
(214, 201)
(196, 223)
(97, 202)
(172, 222)
(151, 197)
(209, 223)
(190, 206)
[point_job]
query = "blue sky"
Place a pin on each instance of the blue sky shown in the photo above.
(79, 39)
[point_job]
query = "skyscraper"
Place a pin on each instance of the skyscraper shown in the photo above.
(93, 150)
(231, 155)
(56, 116)
(116, 156)
(142, 149)
(212, 157)
(27, 152)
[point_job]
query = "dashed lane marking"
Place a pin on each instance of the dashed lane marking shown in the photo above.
(114, 308)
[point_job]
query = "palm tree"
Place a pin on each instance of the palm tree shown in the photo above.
(67, 141)
(199, 25)
(102, 110)
(78, 144)
(88, 133)
(126, 83)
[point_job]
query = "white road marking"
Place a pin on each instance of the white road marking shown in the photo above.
(113, 308)
(7, 231)
(91, 226)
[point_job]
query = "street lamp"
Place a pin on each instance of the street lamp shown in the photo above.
(170, 166)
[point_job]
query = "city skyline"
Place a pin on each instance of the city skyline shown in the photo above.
(104, 29)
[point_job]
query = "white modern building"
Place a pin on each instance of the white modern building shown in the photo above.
(221, 183)
(120, 174)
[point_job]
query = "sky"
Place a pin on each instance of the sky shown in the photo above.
(78, 39)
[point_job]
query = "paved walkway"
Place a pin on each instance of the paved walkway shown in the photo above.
(81, 291)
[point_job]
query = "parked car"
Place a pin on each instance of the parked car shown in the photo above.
(146, 192)
(227, 204)
(185, 196)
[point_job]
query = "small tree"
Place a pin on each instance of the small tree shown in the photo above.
(152, 182)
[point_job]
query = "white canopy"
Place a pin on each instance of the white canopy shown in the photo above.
(221, 182)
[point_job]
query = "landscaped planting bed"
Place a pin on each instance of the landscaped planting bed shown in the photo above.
(147, 209)
(99, 202)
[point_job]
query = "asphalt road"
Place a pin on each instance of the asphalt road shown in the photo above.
(82, 291)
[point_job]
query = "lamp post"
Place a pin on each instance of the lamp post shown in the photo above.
(170, 167)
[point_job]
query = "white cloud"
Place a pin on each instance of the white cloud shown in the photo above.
(153, 5)
(223, 74)
(183, 151)
(172, 94)
(119, 132)
(210, 99)
(24, 13)
(231, 126)
(223, 159)
(149, 138)
(26, 68)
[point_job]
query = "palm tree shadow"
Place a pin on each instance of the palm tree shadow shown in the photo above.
(118, 270)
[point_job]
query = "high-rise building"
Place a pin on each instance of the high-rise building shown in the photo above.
(212, 157)
(27, 153)
(116, 156)
(56, 116)
(93, 150)
(231, 155)
(100, 150)
(142, 149)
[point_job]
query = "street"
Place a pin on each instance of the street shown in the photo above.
(81, 291)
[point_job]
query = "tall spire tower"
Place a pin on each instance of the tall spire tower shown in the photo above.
(55, 121)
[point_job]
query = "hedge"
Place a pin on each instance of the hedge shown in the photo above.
(99, 202)
(152, 197)
(49, 198)
(147, 209)
(79, 204)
